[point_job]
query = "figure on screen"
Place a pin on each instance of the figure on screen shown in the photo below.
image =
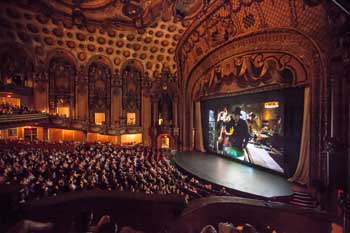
(237, 130)
(253, 125)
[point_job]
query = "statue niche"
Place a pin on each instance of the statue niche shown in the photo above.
(99, 91)
(15, 68)
(165, 114)
(61, 86)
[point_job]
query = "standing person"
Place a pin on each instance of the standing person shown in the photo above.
(239, 136)
(253, 125)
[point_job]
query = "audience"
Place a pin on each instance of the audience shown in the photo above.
(48, 169)
(9, 109)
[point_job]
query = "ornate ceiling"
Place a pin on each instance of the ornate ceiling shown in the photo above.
(117, 29)
(137, 13)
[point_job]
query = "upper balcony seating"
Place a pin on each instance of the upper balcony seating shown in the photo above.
(14, 116)
(9, 109)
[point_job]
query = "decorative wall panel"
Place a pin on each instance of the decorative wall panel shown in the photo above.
(61, 84)
(131, 76)
(99, 75)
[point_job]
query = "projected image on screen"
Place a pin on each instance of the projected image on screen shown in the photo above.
(262, 129)
(250, 132)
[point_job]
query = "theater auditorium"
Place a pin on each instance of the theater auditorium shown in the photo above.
(174, 116)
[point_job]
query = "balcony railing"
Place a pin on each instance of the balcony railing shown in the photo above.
(68, 123)
(16, 120)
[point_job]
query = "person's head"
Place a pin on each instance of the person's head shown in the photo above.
(208, 229)
(109, 227)
(236, 117)
(247, 228)
(237, 114)
(252, 116)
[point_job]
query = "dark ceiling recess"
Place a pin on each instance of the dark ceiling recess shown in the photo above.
(312, 2)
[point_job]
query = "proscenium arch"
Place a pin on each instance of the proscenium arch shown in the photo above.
(298, 70)
(270, 40)
(278, 40)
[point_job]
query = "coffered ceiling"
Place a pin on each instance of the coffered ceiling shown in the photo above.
(117, 29)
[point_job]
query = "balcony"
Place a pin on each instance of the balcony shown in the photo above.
(68, 123)
(20, 90)
(17, 120)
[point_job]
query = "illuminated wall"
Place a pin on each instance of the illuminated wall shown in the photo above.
(56, 135)
(13, 101)
(93, 137)
(130, 139)
(63, 111)
(100, 118)
(18, 133)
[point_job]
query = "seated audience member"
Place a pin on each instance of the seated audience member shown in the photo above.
(129, 230)
(208, 229)
(226, 228)
(247, 228)
(28, 226)
(48, 169)
(9, 109)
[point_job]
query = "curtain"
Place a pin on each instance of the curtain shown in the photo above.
(301, 174)
(198, 138)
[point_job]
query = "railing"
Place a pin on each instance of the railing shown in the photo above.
(68, 123)
(26, 91)
(238, 211)
(15, 120)
(169, 213)
(149, 213)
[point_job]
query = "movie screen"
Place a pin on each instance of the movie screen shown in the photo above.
(252, 129)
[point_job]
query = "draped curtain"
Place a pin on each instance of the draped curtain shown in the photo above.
(301, 174)
(198, 139)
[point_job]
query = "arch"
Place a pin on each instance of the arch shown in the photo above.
(61, 73)
(132, 73)
(99, 73)
(307, 61)
(289, 41)
(98, 58)
(69, 56)
(16, 65)
(160, 139)
(135, 63)
(165, 109)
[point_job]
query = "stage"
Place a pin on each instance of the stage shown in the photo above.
(234, 175)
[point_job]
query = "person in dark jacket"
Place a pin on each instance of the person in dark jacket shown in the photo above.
(237, 130)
